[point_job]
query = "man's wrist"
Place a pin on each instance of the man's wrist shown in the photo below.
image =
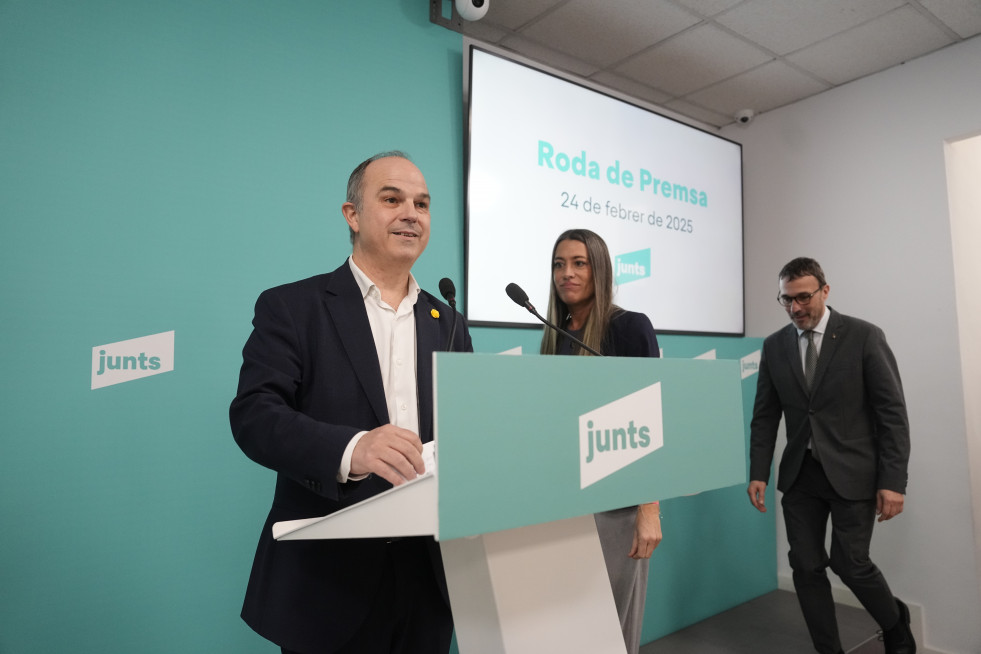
(344, 472)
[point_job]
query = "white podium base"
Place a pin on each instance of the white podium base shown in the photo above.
(528, 590)
(531, 590)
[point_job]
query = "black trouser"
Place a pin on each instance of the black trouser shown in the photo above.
(806, 508)
(409, 614)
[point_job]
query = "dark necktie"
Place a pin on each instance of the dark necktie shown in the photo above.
(810, 359)
(810, 363)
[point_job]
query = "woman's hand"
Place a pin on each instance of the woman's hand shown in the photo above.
(647, 531)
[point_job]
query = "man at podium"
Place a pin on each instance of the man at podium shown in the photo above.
(335, 395)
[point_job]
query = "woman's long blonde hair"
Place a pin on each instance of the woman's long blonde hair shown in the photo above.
(603, 308)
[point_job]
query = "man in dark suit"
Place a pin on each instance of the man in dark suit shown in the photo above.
(335, 395)
(836, 383)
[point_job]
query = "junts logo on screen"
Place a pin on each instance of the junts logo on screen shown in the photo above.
(123, 361)
(619, 433)
(631, 266)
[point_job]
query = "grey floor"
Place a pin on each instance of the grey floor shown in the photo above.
(771, 624)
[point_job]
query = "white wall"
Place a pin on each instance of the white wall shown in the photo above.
(963, 173)
(855, 177)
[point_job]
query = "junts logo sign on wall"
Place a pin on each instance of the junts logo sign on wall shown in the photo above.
(619, 433)
(750, 364)
(123, 361)
(632, 266)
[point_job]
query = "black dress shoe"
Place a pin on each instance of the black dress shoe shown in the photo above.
(899, 639)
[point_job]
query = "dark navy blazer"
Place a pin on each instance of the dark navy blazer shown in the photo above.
(310, 380)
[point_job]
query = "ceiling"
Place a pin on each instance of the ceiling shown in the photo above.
(709, 59)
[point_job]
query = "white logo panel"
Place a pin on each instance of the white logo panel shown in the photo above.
(750, 364)
(123, 361)
(619, 433)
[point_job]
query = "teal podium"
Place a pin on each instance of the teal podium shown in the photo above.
(527, 449)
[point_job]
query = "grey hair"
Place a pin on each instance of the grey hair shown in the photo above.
(355, 183)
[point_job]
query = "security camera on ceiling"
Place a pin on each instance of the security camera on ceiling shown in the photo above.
(744, 116)
(472, 9)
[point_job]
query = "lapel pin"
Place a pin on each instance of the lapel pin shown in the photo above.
(434, 313)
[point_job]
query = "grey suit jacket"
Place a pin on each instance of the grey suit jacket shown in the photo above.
(855, 412)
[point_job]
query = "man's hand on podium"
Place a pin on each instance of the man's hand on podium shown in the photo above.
(393, 453)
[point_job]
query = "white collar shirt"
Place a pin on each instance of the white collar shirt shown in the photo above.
(818, 330)
(394, 333)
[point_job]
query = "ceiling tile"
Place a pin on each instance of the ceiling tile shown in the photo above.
(485, 31)
(787, 25)
(695, 59)
(720, 56)
(549, 57)
(612, 33)
(771, 85)
(962, 16)
(515, 14)
(629, 87)
(698, 113)
(882, 43)
(708, 8)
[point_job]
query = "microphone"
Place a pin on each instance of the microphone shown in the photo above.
(448, 291)
(520, 298)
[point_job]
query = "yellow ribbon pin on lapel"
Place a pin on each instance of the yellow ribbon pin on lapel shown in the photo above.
(435, 313)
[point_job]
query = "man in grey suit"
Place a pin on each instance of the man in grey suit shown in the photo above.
(836, 383)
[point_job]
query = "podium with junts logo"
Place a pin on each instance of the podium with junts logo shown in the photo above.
(527, 449)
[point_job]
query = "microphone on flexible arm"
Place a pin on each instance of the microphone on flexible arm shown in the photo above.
(516, 293)
(448, 291)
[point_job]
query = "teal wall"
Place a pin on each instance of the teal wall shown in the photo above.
(160, 164)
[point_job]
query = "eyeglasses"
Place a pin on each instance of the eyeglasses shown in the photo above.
(802, 299)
